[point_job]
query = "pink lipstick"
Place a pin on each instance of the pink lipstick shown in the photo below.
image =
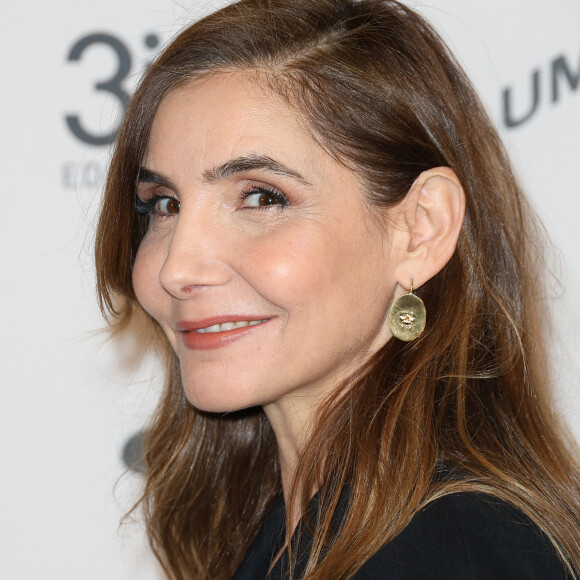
(218, 331)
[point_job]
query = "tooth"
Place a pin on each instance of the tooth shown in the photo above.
(229, 326)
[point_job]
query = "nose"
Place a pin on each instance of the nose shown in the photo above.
(193, 259)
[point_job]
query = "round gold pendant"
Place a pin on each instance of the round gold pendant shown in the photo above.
(407, 317)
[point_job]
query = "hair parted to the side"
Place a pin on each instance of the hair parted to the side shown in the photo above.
(380, 92)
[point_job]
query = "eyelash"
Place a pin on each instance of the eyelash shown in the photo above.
(148, 207)
(276, 195)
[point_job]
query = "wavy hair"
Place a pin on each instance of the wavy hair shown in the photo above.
(464, 407)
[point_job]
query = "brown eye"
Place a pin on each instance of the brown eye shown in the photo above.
(167, 205)
(261, 197)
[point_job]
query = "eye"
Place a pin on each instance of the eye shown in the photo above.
(263, 197)
(158, 205)
(167, 205)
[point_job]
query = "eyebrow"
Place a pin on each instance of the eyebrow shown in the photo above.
(226, 170)
(248, 163)
(147, 176)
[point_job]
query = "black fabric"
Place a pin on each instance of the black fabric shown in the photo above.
(463, 536)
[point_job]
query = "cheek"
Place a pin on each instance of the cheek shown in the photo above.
(146, 279)
(287, 268)
(321, 271)
(340, 281)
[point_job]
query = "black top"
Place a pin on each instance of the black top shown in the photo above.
(463, 536)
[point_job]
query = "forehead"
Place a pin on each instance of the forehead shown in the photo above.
(227, 115)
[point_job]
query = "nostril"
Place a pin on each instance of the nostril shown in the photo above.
(176, 280)
(184, 272)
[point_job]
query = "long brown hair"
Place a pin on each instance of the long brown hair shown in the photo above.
(382, 94)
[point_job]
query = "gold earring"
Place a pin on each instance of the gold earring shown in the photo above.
(407, 317)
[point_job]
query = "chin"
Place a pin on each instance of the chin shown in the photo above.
(215, 387)
(217, 397)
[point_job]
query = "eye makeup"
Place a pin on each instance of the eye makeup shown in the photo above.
(157, 205)
(261, 197)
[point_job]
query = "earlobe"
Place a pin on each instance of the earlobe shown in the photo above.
(434, 211)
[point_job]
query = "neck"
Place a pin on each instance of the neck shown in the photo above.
(290, 427)
(290, 423)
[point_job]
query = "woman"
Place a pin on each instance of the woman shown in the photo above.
(290, 176)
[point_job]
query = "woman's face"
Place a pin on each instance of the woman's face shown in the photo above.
(261, 262)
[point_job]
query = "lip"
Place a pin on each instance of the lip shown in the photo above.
(210, 340)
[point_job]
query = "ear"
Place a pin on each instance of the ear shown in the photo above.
(430, 219)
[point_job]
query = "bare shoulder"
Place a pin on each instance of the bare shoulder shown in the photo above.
(467, 536)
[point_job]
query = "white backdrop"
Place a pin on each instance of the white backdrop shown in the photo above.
(70, 401)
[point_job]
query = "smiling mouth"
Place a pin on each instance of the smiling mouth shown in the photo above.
(218, 334)
(225, 326)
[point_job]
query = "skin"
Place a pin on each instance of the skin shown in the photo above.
(313, 262)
